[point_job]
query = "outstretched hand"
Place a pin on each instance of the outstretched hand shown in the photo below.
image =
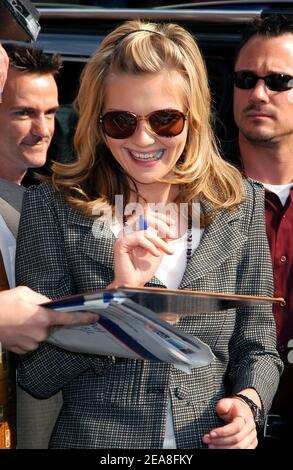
(240, 430)
(24, 323)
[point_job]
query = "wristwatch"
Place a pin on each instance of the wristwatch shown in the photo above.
(258, 414)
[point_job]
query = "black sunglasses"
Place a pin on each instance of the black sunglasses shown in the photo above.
(122, 124)
(274, 81)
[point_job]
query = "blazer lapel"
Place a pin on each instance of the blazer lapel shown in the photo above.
(220, 238)
(97, 240)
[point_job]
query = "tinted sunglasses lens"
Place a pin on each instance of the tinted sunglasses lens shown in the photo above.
(274, 81)
(122, 124)
(245, 80)
(278, 82)
(167, 123)
(119, 124)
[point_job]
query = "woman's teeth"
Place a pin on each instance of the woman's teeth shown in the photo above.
(147, 156)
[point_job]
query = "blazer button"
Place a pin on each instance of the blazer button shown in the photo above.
(180, 393)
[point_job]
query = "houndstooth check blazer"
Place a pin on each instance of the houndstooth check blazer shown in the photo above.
(121, 403)
(35, 418)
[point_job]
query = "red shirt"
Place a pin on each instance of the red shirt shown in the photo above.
(279, 224)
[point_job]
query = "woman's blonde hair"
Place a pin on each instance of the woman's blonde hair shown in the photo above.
(137, 47)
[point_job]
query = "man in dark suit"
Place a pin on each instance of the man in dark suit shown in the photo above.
(27, 111)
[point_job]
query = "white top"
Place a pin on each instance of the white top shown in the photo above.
(8, 248)
(172, 267)
(281, 190)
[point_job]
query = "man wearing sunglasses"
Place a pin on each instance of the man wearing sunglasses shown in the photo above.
(263, 111)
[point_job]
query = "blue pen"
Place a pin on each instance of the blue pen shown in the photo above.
(143, 224)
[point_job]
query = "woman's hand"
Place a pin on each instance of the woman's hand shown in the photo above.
(240, 430)
(137, 257)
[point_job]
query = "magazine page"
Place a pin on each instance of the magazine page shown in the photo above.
(189, 349)
(127, 329)
(91, 339)
(143, 334)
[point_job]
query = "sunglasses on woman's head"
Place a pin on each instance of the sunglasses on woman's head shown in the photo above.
(122, 124)
(274, 81)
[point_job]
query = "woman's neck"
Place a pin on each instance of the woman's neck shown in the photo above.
(156, 193)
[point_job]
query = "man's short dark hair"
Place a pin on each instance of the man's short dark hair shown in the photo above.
(269, 26)
(32, 59)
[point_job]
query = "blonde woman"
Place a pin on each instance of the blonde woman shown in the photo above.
(144, 135)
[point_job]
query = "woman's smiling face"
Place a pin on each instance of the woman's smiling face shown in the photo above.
(145, 156)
